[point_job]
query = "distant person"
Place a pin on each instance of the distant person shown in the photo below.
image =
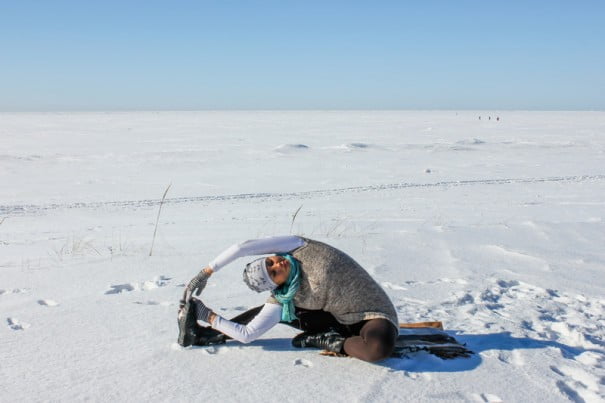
(497, 118)
(479, 117)
(314, 287)
(489, 118)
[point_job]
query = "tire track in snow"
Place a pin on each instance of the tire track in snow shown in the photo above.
(32, 209)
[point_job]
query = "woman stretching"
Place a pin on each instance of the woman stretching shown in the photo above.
(314, 287)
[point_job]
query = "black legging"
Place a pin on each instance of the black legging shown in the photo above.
(369, 340)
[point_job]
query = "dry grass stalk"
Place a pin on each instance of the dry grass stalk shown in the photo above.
(294, 218)
(157, 220)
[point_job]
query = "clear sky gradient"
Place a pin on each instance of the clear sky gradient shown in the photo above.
(183, 55)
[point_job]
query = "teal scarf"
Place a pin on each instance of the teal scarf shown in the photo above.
(285, 293)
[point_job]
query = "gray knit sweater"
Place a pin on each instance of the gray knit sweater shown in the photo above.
(332, 281)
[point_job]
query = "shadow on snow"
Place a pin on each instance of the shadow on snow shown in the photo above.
(478, 343)
(425, 362)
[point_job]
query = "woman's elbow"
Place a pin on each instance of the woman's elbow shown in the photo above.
(248, 338)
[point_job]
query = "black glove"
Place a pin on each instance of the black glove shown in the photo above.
(202, 312)
(197, 284)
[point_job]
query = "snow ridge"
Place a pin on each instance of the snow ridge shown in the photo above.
(34, 209)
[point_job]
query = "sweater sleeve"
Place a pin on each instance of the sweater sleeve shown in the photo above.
(269, 316)
(275, 244)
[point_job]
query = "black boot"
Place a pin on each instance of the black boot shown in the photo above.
(187, 324)
(331, 341)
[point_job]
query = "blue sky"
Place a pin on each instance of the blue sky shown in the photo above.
(181, 55)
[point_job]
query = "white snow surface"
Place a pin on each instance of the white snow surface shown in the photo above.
(493, 227)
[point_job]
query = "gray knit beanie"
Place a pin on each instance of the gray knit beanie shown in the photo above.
(257, 277)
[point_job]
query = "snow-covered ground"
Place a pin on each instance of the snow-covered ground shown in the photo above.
(493, 227)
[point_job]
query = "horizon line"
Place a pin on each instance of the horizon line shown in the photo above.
(127, 110)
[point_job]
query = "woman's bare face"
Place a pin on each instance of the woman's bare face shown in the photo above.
(278, 268)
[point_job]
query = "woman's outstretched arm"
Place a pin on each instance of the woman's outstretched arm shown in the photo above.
(269, 316)
(274, 244)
